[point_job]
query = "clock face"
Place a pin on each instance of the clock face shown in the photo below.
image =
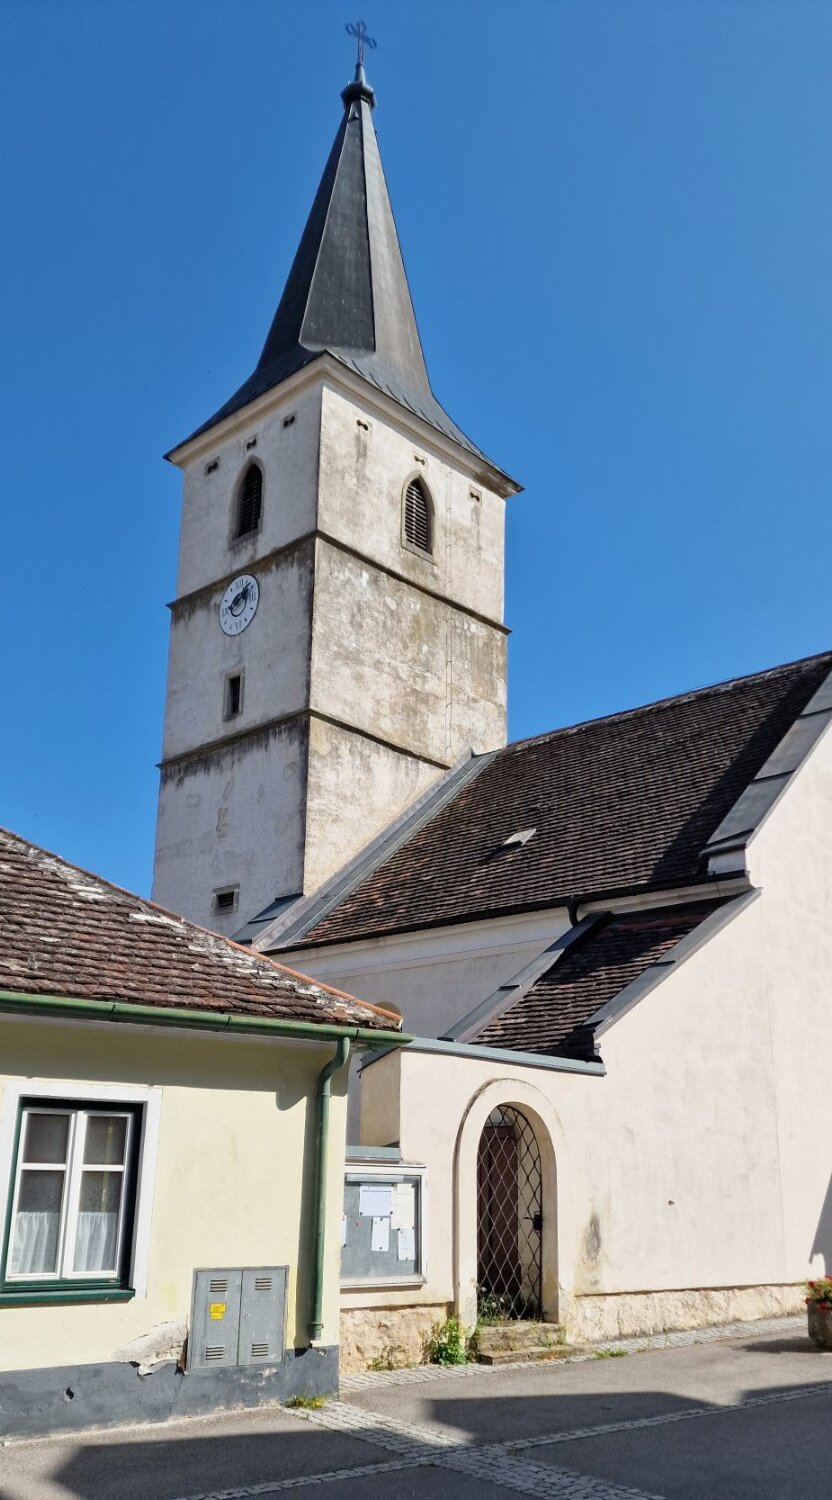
(238, 604)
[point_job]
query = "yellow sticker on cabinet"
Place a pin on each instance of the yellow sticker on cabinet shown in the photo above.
(216, 1311)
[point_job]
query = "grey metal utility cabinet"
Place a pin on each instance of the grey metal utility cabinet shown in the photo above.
(238, 1317)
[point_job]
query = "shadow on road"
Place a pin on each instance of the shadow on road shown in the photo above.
(775, 1442)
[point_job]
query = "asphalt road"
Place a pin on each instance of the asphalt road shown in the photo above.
(744, 1419)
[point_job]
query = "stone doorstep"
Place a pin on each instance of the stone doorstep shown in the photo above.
(520, 1335)
(531, 1355)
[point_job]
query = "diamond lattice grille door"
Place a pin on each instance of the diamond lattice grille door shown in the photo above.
(509, 1216)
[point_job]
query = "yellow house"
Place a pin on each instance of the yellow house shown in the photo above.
(172, 1127)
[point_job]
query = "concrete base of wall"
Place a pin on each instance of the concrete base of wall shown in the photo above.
(619, 1315)
(35, 1402)
(393, 1336)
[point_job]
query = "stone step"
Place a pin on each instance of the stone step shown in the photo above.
(519, 1335)
(530, 1356)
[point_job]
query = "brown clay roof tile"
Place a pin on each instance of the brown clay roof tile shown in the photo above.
(65, 932)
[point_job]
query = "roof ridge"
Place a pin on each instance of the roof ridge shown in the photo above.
(671, 698)
(28, 845)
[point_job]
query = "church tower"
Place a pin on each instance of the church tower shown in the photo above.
(337, 637)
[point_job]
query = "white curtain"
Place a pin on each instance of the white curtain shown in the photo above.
(95, 1242)
(35, 1246)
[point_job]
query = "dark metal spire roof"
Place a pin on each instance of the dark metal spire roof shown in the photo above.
(347, 293)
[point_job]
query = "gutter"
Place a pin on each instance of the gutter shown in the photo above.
(13, 1002)
(507, 1056)
(316, 1294)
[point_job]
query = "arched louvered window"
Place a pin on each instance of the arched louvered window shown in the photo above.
(418, 516)
(249, 501)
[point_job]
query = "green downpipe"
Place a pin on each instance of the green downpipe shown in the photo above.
(316, 1300)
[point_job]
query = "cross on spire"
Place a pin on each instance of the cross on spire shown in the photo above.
(358, 29)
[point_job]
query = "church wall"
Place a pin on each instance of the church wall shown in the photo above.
(790, 858)
(692, 1179)
(434, 977)
(289, 459)
(356, 787)
(364, 470)
(273, 655)
(233, 818)
(403, 666)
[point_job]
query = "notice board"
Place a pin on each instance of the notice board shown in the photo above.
(381, 1227)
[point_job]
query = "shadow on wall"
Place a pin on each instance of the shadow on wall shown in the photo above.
(774, 1446)
(823, 1236)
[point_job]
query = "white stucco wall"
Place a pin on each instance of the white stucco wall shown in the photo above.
(235, 818)
(406, 678)
(700, 1165)
(272, 654)
(364, 470)
(289, 460)
(355, 787)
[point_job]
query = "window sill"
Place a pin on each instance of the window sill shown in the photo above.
(34, 1296)
(381, 1283)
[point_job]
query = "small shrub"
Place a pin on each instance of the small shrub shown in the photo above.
(448, 1343)
(306, 1403)
(820, 1292)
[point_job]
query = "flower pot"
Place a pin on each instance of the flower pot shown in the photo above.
(820, 1325)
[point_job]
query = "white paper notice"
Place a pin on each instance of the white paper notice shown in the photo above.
(343, 1230)
(381, 1234)
(374, 1200)
(407, 1244)
(402, 1213)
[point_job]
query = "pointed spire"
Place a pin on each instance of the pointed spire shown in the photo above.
(347, 293)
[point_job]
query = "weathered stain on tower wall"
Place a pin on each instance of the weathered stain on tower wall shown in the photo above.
(378, 666)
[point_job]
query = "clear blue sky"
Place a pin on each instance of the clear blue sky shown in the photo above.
(617, 222)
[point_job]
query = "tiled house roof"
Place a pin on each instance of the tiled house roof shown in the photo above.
(624, 803)
(552, 1015)
(66, 933)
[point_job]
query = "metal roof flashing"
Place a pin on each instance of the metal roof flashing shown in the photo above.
(729, 841)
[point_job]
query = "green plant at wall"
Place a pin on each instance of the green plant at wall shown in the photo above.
(392, 1357)
(448, 1343)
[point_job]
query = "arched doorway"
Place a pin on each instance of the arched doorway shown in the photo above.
(509, 1216)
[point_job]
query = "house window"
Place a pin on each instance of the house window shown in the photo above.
(417, 521)
(73, 1196)
(233, 704)
(383, 1230)
(249, 501)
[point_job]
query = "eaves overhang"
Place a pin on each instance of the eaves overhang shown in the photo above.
(225, 1023)
(355, 382)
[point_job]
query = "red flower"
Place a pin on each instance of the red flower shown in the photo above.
(824, 1306)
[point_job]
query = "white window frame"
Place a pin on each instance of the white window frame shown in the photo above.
(73, 1168)
(93, 1097)
(393, 1172)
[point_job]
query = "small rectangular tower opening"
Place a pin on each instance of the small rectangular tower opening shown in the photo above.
(226, 900)
(233, 704)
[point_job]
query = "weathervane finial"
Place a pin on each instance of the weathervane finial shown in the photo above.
(359, 31)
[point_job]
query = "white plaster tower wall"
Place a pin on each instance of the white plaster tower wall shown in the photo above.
(371, 663)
